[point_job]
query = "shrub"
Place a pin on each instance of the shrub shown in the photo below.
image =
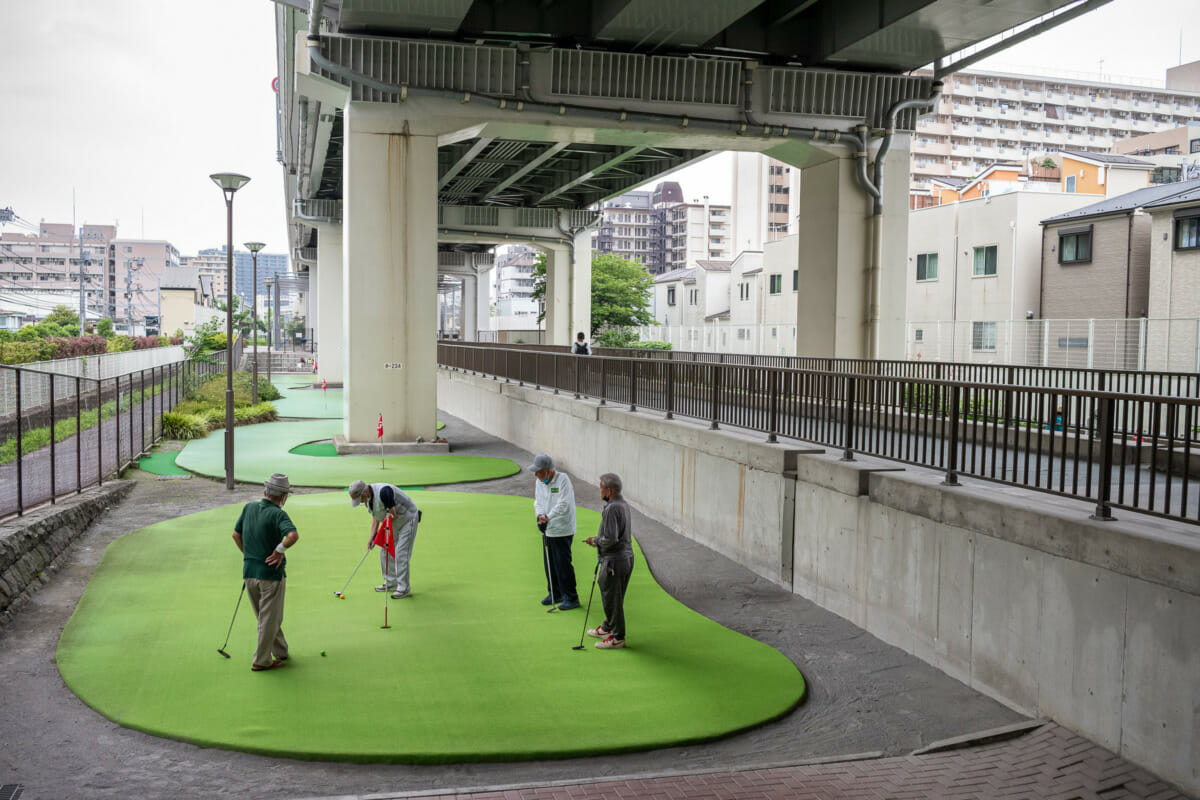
(76, 346)
(249, 415)
(22, 352)
(650, 344)
(119, 343)
(176, 425)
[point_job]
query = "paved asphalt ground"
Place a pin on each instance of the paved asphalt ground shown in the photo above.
(870, 706)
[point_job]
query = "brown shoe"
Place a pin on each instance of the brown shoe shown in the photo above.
(274, 664)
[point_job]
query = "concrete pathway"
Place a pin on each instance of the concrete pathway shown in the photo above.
(867, 699)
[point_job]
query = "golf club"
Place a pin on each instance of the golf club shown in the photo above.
(387, 542)
(587, 613)
(342, 593)
(221, 649)
(549, 577)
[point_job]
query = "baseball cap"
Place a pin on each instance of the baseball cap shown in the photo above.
(356, 490)
(542, 462)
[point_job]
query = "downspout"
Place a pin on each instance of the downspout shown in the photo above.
(876, 252)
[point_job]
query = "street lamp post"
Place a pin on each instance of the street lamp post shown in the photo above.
(229, 182)
(254, 247)
(270, 338)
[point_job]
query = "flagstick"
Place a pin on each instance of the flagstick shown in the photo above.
(387, 541)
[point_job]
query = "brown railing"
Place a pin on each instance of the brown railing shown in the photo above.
(60, 434)
(1115, 449)
(1173, 384)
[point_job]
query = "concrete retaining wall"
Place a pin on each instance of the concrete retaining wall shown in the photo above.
(1017, 594)
(30, 544)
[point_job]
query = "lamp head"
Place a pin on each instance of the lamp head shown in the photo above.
(229, 182)
(254, 247)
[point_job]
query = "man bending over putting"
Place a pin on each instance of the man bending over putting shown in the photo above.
(383, 500)
(615, 545)
(263, 532)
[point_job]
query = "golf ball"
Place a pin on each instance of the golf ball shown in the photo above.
(322, 653)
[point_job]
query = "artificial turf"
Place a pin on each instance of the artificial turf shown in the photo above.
(161, 464)
(315, 449)
(472, 668)
(302, 401)
(260, 450)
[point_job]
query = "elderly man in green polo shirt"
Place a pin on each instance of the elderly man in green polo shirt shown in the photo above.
(263, 533)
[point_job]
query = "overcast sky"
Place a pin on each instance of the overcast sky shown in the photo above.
(133, 103)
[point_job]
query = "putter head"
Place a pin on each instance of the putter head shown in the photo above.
(577, 647)
(222, 652)
(339, 594)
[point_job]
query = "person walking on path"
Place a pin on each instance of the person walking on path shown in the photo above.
(581, 347)
(383, 501)
(554, 505)
(263, 533)
(614, 546)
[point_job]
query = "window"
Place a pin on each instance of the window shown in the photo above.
(927, 266)
(1075, 245)
(670, 295)
(985, 260)
(1070, 184)
(776, 283)
(1187, 229)
(795, 280)
(983, 336)
(919, 334)
(693, 297)
(744, 290)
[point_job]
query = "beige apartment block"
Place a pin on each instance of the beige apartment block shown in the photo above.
(766, 200)
(985, 116)
(140, 266)
(50, 261)
(211, 265)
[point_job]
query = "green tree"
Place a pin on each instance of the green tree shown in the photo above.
(27, 333)
(620, 291)
(243, 319)
(105, 328)
(66, 319)
(1048, 163)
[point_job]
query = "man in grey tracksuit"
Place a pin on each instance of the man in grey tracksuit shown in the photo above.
(384, 500)
(614, 545)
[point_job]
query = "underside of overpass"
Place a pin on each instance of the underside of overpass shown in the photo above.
(409, 127)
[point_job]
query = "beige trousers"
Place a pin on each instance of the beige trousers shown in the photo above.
(266, 598)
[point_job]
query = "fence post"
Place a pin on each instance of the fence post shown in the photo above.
(578, 374)
(715, 401)
(952, 465)
(117, 418)
(537, 378)
(670, 387)
(78, 440)
(1103, 511)
(53, 485)
(848, 421)
(603, 380)
(554, 357)
(773, 416)
(633, 385)
(100, 431)
(20, 470)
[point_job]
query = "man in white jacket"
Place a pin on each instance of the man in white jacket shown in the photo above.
(554, 505)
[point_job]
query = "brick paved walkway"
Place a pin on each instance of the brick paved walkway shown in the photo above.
(1050, 763)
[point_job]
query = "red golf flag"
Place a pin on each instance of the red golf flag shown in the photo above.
(324, 385)
(379, 427)
(384, 537)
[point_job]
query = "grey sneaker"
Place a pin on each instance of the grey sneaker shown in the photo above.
(383, 587)
(399, 595)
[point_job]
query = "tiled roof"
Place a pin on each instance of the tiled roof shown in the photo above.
(1190, 196)
(676, 275)
(1111, 159)
(180, 278)
(1161, 194)
(715, 266)
(719, 315)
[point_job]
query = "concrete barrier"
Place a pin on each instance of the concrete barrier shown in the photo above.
(1017, 594)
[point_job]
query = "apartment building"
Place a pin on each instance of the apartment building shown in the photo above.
(658, 229)
(766, 200)
(140, 266)
(211, 267)
(512, 287)
(48, 262)
(984, 117)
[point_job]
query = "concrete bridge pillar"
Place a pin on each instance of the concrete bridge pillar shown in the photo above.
(328, 282)
(569, 289)
(470, 308)
(390, 285)
(836, 240)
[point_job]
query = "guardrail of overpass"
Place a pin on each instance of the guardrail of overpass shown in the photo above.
(1170, 384)
(1135, 451)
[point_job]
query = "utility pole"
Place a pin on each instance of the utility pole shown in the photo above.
(82, 282)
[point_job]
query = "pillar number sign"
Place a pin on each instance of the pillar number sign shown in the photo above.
(393, 365)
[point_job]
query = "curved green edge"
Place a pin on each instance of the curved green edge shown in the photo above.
(472, 668)
(260, 450)
(301, 401)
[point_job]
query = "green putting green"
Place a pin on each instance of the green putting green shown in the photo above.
(260, 450)
(472, 668)
(315, 449)
(161, 464)
(300, 400)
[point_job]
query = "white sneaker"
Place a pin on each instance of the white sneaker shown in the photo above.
(399, 595)
(611, 643)
(383, 587)
(598, 632)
